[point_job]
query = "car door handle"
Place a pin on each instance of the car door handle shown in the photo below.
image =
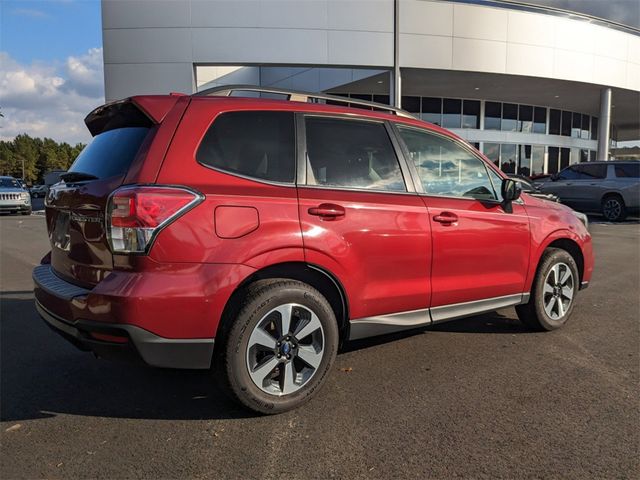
(446, 218)
(327, 210)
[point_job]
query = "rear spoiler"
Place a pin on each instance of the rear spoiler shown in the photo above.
(138, 111)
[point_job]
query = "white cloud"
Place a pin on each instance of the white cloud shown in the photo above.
(50, 99)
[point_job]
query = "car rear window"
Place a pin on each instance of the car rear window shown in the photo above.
(628, 170)
(257, 144)
(110, 153)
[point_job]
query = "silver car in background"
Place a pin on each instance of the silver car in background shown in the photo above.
(610, 188)
(14, 197)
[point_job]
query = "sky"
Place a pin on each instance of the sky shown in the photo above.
(51, 72)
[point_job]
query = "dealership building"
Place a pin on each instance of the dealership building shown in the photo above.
(535, 88)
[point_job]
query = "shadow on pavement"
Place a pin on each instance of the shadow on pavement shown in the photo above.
(41, 375)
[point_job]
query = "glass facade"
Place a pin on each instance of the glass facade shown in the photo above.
(516, 158)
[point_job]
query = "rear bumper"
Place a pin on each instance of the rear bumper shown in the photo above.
(62, 304)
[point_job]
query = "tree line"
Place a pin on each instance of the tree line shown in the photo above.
(38, 155)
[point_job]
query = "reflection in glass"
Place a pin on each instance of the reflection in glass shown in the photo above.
(492, 115)
(525, 118)
(471, 114)
(584, 133)
(537, 160)
(451, 113)
(509, 117)
(576, 125)
(508, 158)
(539, 120)
(492, 152)
(432, 110)
(446, 167)
(584, 155)
(524, 160)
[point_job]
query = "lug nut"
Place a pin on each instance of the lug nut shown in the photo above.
(279, 355)
(288, 357)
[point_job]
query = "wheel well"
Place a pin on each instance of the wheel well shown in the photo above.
(317, 277)
(611, 194)
(573, 249)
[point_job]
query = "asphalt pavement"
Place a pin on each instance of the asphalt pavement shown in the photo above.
(475, 398)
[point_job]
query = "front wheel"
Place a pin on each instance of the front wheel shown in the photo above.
(553, 294)
(279, 347)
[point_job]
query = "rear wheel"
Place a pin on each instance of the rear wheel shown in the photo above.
(553, 293)
(613, 208)
(279, 347)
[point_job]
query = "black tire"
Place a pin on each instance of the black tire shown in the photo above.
(231, 352)
(533, 314)
(613, 208)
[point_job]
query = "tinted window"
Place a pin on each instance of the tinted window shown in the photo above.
(554, 122)
(509, 117)
(451, 116)
(627, 170)
(539, 120)
(432, 110)
(590, 172)
(471, 114)
(554, 153)
(569, 174)
(110, 153)
(353, 154)
(447, 168)
(492, 114)
(525, 118)
(256, 144)
(9, 183)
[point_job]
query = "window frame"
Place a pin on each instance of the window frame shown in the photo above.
(291, 184)
(301, 157)
(416, 177)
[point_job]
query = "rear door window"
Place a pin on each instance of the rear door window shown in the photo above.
(110, 153)
(256, 144)
(628, 170)
(351, 154)
(592, 172)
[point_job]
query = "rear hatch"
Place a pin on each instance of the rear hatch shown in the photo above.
(75, 207)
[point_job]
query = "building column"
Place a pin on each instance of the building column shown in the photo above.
(397, 80)
(604, 124)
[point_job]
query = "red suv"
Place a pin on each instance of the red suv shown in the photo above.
(255, 235)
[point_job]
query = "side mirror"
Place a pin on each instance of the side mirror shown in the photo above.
(511, 191)
(554, 177)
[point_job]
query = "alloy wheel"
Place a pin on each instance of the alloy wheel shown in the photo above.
(612, 209)
(558, 291)
(285, 349)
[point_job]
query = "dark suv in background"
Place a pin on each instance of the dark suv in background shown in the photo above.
(610, 188)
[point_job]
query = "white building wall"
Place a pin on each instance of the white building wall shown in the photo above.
(151, 46)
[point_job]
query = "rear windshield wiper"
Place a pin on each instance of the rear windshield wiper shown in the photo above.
(77, 176)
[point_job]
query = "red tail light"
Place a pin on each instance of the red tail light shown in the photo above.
(135, 215)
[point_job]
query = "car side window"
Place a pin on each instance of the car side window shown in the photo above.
(628, 170)
(352, 154)
(257, 144)
(446, 167)
(571, 173)
(592, 172)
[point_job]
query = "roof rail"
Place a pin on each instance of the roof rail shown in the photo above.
(298, 96)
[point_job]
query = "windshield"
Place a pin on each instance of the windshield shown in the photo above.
(9, 183)
(111, 152)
